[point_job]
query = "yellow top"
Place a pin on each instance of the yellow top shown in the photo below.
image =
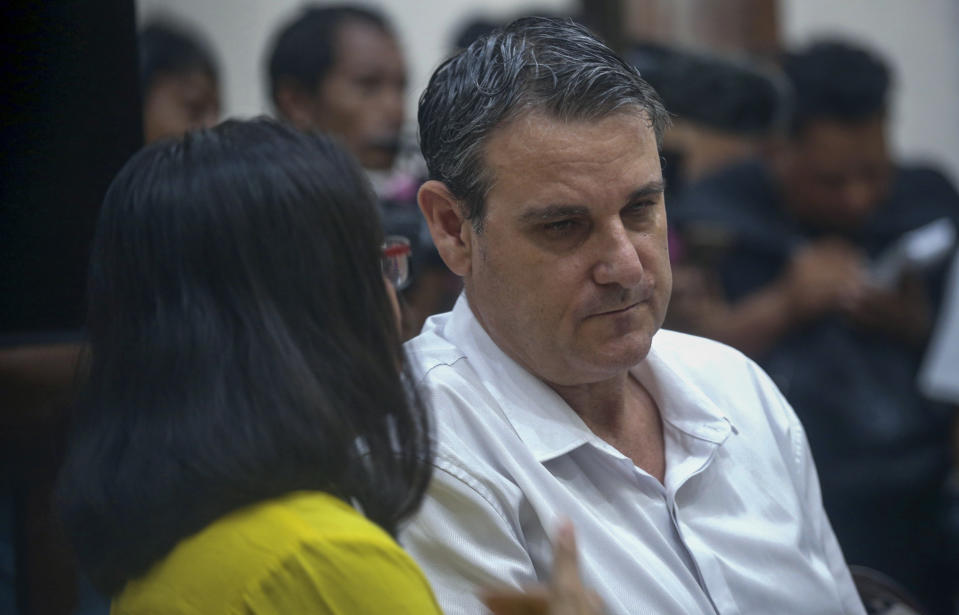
(307, 552)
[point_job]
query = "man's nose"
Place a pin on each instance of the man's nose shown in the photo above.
(618, 261)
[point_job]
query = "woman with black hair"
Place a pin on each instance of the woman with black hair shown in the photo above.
(245, 386)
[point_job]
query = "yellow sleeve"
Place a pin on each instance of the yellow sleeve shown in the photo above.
(343, 578)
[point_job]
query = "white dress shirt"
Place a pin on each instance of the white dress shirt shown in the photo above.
(737, 527)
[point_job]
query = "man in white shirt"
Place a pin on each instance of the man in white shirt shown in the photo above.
(685, 472)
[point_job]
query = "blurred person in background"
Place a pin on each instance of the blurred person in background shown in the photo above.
(724, 110)
(803, 224)
(340, 70)
(178, 80)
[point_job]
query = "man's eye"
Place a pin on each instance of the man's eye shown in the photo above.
(559, 227)
(639, 207)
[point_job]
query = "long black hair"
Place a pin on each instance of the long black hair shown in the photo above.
(243, 346)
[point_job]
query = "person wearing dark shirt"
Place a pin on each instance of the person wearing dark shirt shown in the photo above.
(802, 226)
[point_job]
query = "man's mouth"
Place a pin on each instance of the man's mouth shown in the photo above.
(618, 311)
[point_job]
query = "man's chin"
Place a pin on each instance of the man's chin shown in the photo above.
(619, 355)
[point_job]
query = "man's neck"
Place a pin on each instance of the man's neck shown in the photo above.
(601, 404)
(618, 410)
(621, 412)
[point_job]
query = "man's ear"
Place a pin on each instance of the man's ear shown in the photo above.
(451, 231)
(294, 104)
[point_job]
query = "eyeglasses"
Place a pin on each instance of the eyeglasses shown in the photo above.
(396, 260)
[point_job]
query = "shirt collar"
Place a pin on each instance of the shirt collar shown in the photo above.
(671, 381)
(545, 423)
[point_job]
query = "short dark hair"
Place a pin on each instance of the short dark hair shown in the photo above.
(732, 95)
(304, 50)
(243, 346)
(836, 80)
(532, 64)
(165, 48)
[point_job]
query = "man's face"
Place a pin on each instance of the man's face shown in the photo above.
(835, 174)
(570, 274)
(177, 103)
(361, 99)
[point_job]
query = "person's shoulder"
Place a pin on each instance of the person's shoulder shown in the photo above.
(723, 373)
(431, 349)
(735, 385)
(694, 353)
(447, 373)
(477, 402)
(278, 525)
(279, 555)
(925, 186)
(924, 175)
(339, 560)
(918, 195)
(316, 516)
(219, 564)
(713, 367)
(463, 405)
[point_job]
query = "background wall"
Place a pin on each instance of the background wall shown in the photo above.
(918, 37)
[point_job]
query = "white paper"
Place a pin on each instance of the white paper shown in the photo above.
(939, 376)
(916, 250)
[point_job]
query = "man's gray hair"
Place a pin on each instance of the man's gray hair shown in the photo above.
(534, 64)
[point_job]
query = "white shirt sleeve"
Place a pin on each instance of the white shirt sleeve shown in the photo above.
(465, 543)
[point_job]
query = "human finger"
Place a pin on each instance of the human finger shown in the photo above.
(565, 578)
(532, 601)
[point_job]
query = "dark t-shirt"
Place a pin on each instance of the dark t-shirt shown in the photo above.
(882, 450)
